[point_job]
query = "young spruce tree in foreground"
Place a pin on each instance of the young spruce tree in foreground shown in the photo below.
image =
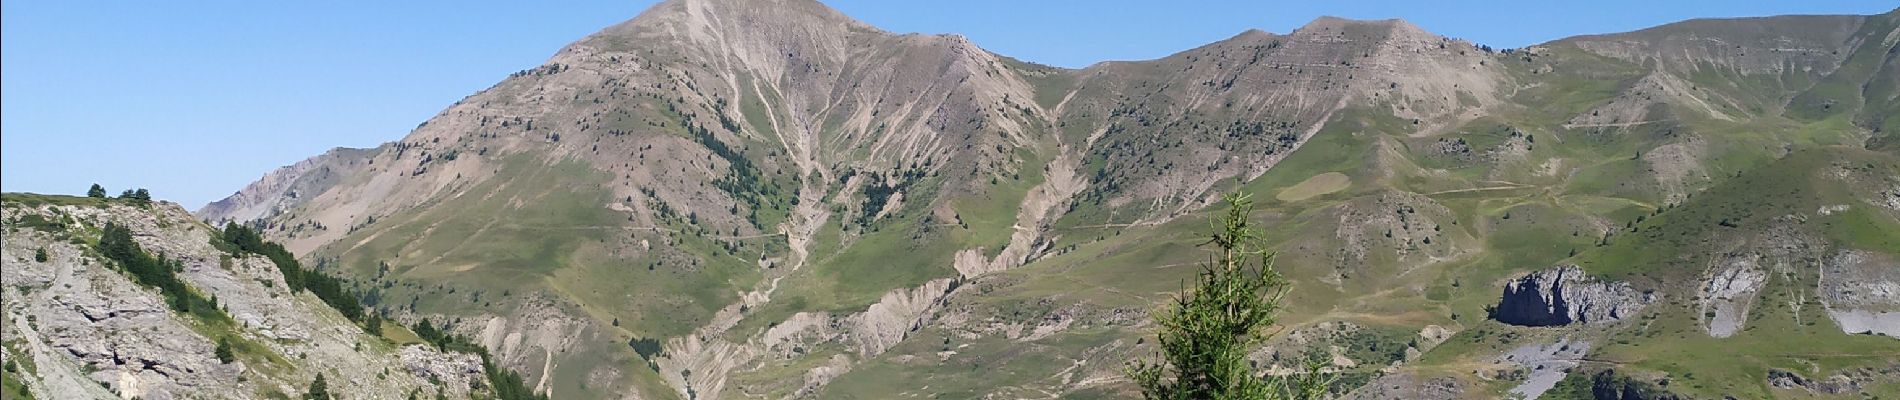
(1206, 334)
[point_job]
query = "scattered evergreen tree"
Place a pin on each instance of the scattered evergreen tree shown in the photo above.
(1206, 334)
(40, 255)
(328, 288)
(506, 384)
(224, 351)
(138, 196)
(116, 244)
(318, 390)
(373, 324)
(97, 192)
(427, 332)
(647, 348)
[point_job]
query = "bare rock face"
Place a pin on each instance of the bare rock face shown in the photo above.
(93, 332)
(1861, 291)
(1544, 364)
(452, 369)
(1727, 294)
(1564, 296)
(110, 331)
(1409, 386)
(1837, 384)
(1844, 382)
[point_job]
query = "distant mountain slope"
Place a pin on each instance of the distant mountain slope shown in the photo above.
(287, 187)
(767, 199)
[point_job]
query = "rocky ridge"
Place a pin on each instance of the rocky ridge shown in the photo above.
(91, 332)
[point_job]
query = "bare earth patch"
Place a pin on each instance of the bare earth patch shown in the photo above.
(1316, 186)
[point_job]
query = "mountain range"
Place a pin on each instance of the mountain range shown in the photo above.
(726, 199)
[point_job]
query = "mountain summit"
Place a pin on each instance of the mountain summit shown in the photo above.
(768, 199)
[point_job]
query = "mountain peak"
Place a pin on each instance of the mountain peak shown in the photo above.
(1251, 34)
(1390, 29)
(1333, 23)
(774, 13)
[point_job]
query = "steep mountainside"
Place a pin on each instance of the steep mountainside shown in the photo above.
(80, 325)
(284, 188)
(766, 199)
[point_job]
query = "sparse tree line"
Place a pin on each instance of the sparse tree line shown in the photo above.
(508, 385)
(138, 196)
(238, 239)
(116, 244)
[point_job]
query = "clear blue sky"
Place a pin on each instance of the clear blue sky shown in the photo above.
(194, 99)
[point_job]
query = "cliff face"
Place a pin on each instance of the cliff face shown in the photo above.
(87, 330)
(1564, 296)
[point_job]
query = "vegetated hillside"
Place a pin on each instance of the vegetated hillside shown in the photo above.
(766, 199)
(120, 298)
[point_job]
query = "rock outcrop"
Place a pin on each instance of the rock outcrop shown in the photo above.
(1544, 364)
(89, 328)
(1564, 296)
(1608, 385)
(91, 331)
(1837, 384)
(1409, 386)
(1861, 291)
(1728, 292)
(451, 369)
(1850, 381)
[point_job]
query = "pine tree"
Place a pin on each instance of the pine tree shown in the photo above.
(138, 196)
(97, 192)
(318, 390)
(373, 324)
(224, 351)
(40, 255)
(1208, 331)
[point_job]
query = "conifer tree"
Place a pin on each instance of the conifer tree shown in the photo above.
(224, 351)
(1207, 332)
(318, 390)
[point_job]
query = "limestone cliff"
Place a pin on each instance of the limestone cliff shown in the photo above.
(1564, 296)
